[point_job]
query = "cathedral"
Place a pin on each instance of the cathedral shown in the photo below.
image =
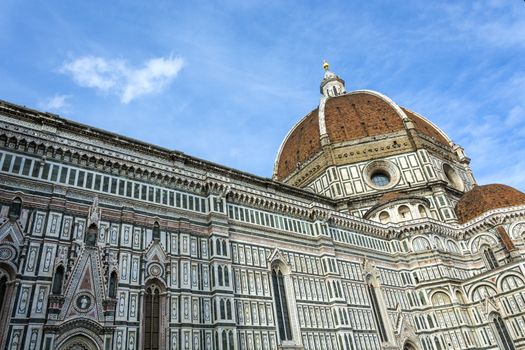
(371, 234)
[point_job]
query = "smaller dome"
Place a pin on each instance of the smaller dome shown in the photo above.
(391, 197)
(482, 199)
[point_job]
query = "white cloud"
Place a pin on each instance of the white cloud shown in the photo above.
(55, 103)
(118, 77)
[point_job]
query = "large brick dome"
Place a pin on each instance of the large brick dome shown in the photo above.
(348, 118)
(482, 199)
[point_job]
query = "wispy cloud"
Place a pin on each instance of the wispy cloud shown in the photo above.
(118, 77)
(56, 103)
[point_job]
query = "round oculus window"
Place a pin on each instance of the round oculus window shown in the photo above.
(380, 178)
(381, 174)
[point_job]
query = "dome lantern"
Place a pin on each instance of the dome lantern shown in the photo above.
(331, 85)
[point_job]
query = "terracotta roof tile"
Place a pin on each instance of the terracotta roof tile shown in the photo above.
(354, 116)
(424, 127)
(302, 143)
(481, 199)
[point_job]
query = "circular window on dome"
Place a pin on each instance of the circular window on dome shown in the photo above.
(380, 178)
(381, 174)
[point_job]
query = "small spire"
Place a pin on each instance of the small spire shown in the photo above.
(326, 66)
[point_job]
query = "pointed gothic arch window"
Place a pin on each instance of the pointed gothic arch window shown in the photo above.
(112, 291)
(226, 277)
(91, 235)
(156, 231)
(281, 304)
(438, 343)
(228, 309)
(220, 276)
(460, 297)
(15, 209)
(490, 259)
(430, 321)
(503, 333)
(224, 248)
(224, 340)
(223, 310)
(58, 280)
(230, 340)
(218, 249)
(376, 309)
(152, 318)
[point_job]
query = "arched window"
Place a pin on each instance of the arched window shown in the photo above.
(452, 246)
(438, 243)
(440, 298)
(224, 249)
(438, 343)
(460, 297)
(91, 235)
(58, 280)
(404, 213)
(377, 312)
(511, 283)
(422, 298)
(226, 277)
(112, 292)
(15, 209)
(281, 304)
(152, 318)
(420, 244)
(384, 217)
(216, 340)
(482, 292)
(224, 340)
(3, 291)
(219, 273)
(228, 309)
(430, 321)
(218, 249)
(230, 340)
(503, 333)
(490, 259)
(223, 310)
(422, 211)
(156, 231)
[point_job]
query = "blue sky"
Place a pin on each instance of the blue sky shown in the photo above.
(225, 81)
